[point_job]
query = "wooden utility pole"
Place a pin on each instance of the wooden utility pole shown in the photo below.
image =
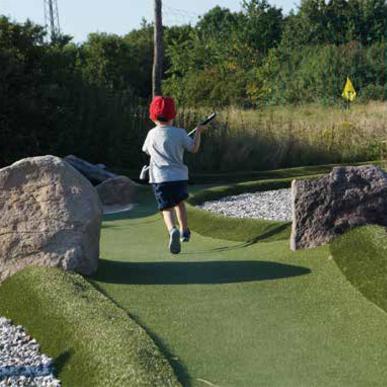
(158, 58)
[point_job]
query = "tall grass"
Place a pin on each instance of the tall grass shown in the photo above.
(279, 137)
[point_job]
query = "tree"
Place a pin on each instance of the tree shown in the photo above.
(218, 23)
(336, 22)
(262, 28)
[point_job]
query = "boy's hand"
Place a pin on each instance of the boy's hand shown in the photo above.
(202, 128)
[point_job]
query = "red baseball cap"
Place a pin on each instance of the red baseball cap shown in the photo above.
(162, 107)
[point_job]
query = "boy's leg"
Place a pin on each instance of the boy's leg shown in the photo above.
(169, 218)
(181, 213)
(182, 218)
(174, 234)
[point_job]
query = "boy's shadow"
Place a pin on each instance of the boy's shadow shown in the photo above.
(185, 273)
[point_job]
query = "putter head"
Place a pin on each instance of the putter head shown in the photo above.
(208, 119)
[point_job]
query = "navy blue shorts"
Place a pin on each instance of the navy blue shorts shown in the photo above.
(170, 194)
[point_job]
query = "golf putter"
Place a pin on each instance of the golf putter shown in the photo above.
(205, 122)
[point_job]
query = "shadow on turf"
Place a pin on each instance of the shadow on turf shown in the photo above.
(260, 238)
(61, 360)
(185, 273)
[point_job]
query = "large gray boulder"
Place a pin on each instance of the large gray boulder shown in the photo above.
(50, 216)
(117, 191)
(327, 207)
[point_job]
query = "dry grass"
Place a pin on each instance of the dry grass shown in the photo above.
(371, 115)
(292, 136)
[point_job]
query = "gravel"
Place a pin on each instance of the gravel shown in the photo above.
(21, 363)
(270, 205)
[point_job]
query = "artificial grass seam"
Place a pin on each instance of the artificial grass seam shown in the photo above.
(361, 254)
(162, 346)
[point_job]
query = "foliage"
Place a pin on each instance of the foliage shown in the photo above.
(336, 22)
(90, 99)
(63, 98)
(258, 56)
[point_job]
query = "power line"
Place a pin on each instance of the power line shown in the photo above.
(179, 16)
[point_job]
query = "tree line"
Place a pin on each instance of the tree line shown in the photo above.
(62, 98)
(90, 98)
(259, 56)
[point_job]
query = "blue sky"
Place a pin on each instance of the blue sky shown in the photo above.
(80, 17)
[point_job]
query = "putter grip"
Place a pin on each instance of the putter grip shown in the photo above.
(208, 119)
(144, 173)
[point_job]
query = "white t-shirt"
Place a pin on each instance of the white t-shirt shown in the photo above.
(165, 145)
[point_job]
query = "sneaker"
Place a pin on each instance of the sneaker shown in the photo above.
(186, 235)
(174, 241)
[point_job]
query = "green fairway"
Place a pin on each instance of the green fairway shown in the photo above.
(237, 314)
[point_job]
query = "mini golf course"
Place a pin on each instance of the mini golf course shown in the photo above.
(231, 313)
(236, 308)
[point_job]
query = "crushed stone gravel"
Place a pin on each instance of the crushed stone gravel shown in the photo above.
(21, 363)
(269, 205)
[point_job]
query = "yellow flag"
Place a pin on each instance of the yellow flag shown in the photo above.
(349, 92)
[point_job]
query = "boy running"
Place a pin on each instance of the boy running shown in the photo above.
(165, 144)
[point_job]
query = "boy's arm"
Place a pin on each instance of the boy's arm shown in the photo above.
(146, 144)
(193, 144)
(197, 139)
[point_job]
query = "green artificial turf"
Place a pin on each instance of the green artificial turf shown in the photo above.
(362, 256)
(234, 314)
(236, 229)
(93, 341)
(224, 313)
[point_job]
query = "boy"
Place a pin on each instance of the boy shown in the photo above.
(165, 144)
